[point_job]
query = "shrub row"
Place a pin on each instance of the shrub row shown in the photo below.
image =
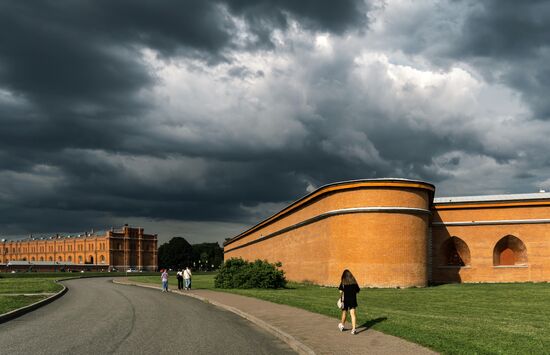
(239, 273)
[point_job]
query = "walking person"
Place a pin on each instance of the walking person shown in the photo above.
(187, 277)
(179, 276)
(164, 278)
(349, 290)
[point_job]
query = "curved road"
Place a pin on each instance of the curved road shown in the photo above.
(99, 317)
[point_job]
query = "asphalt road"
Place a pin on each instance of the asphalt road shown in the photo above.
(99, 317)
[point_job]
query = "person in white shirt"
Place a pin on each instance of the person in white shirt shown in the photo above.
(187, 278)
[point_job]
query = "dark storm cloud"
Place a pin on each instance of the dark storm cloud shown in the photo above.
(511, 40)
(72, 81)
(264, 16)
(508, 42)
(88, 134)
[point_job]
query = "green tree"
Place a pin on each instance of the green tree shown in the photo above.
(207, 256)
(176, 254)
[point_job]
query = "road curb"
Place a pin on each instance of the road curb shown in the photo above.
(24, 310)
(291, 341)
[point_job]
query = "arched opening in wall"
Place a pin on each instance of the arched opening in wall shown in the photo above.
(455, 252)
(102, 259)
(509, 251)
(80, 259)
(41, 258)
(51, 258)
(32, 259)
(60, 258)
(91, 259)
(69, 258)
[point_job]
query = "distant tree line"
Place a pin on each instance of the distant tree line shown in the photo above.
(177, 253)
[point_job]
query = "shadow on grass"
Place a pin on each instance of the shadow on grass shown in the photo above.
(368, 324)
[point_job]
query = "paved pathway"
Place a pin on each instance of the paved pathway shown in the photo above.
(98, 317)
(317, 332)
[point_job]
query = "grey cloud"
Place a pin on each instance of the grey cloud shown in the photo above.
(507, 42)
(88, 136)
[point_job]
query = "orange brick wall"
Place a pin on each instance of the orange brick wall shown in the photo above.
(390, 249)
(381, 248)
(481, 241)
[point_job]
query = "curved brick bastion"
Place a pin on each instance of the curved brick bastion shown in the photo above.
(377, 228)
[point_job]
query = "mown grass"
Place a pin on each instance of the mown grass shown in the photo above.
(451, 319)
(9, 303)
(29, 285)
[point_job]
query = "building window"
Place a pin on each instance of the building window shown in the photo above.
(41, 258)
(69, 258)
(51, 258)
(60, 258)
(454, 252)
(32, 259)
(509, 251)
(102, 259)
(80, 259)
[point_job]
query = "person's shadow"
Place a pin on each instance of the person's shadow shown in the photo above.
(365, 326)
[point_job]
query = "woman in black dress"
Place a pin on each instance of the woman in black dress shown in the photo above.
(349, 288)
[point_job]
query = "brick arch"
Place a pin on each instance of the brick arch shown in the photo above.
(455, 252)
(509, 250)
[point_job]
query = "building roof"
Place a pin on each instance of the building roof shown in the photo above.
(494, 198)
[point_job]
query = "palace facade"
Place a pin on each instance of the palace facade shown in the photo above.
(394, 233)
(115, 249)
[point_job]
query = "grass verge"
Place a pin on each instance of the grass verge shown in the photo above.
(9, 303)
(451, 319)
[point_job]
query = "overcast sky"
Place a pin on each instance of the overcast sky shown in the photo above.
(200, 118)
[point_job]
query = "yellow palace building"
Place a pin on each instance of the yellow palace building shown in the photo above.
(115, 249)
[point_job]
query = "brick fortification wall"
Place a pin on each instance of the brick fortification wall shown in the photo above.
(500, 241)
(392, 232)
(376, 228)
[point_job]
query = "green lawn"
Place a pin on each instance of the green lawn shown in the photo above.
(10, 286)
(9, 303)
(29, 285)
(452, 319)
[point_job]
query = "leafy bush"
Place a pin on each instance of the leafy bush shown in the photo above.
(239, 273)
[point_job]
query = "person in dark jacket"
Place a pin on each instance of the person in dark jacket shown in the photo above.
(349, 290)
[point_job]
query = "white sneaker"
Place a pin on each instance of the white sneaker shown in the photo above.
(353, 331)
(341, 327)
